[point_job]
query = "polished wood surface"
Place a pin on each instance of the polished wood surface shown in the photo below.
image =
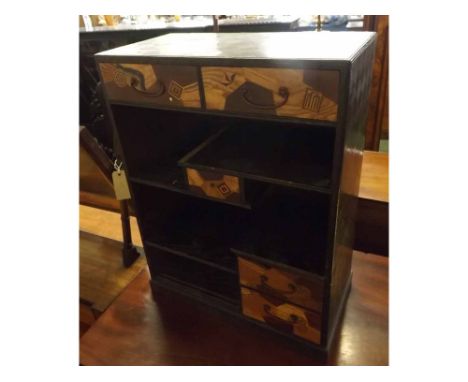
(374, 177)
(97, 200)
(311, 94)
(277, 45)
(106, 252)
(97, 154)
(96, 186)
(92, 179)
(136, 330)
(87, 317)
(102, 274)
(107, 224)
(363, 338)
(95, 190)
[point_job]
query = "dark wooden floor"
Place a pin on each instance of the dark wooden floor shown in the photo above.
(135, 330)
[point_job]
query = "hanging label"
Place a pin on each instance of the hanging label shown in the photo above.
(121, 189)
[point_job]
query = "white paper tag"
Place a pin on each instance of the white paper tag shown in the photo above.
(121, 189)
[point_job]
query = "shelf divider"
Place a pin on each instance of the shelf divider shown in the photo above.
(176, 252)
(144, 180)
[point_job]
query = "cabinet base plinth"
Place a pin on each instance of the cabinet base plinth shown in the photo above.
(161, 286)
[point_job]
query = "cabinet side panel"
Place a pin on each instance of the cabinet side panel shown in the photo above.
(360, 81)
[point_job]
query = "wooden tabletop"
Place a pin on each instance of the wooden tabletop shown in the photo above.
(374, 176)
(136, 330)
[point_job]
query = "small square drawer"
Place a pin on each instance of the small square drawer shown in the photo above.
(281, 315)
(215, 185)
(296, 287)
(150, 84)
(297, 93)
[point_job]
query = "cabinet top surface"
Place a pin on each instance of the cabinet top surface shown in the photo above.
(272, 45)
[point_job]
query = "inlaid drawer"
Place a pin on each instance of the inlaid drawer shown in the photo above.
(286, 285)
(215, 185)
(280, 315)
(167, 85)
(298, 93)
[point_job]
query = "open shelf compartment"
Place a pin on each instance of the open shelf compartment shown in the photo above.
(193, 227)
(285, 225)
(154, 143)
(290, 227)
(285, 155)
(197, 275)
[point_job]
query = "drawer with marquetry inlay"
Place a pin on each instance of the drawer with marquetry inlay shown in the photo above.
(298, 93)
(151, 84)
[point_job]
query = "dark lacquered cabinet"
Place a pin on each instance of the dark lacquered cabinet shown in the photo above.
(243, 153)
